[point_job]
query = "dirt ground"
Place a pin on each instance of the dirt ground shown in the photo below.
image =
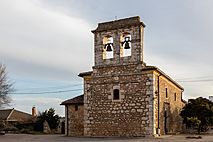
(61, 138)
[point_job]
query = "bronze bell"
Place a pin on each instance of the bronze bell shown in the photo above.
(126, 45)
(108, 47)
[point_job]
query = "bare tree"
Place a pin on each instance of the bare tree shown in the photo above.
(5, 87)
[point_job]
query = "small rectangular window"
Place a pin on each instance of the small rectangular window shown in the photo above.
(175, 97)
(76, 107)
(116, 94)
(166, 93)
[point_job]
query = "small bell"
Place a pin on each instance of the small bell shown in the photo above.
(108, 47)
(126, 42)
(126, 45)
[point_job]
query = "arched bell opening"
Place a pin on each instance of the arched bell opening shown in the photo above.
(125, 48)
(108, 47)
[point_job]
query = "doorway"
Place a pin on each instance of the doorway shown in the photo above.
(166, 117)
(62, 127)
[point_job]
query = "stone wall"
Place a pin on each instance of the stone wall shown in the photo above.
(172, 103)
(135, 112)
(129, 116)
(116, 29)
(75, 120)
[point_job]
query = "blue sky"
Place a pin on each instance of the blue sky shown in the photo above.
(46, 43)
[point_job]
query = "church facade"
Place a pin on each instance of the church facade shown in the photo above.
(122, 95)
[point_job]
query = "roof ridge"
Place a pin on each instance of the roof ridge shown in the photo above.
(22, 111)
(6, 109)
(10, 113)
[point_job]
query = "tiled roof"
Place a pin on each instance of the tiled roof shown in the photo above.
(162, 73)
(13, 114)
(75, 100)
(5, 113)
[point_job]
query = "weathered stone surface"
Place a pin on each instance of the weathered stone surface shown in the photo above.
(174, 124)
(75, 119)
(135, 112)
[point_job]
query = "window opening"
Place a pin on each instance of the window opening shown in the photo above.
(76, 107)
(175, 97)
(166, 93)
(116, 94)
(125, 45)
(108, 48)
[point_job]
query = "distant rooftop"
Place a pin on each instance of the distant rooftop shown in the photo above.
(4, 114)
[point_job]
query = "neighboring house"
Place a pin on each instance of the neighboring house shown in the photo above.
(74, 117)
(122, 95)
(13, 116)
(61, 126)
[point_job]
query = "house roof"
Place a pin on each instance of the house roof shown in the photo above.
(5, 113)
(75, 100)
(85, 74)
(162, 73)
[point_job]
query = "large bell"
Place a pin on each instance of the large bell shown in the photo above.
(126, 45)
(108, 47)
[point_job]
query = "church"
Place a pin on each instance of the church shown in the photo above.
(122, 95)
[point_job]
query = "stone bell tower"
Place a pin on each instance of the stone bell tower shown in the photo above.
(119, 42)
(115, 98)
(122, 95)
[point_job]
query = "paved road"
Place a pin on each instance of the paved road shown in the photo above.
(61, 138)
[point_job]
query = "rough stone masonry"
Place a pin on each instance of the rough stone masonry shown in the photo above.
(122, 95)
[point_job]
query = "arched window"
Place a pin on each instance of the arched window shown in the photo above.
(116, 94)
(108, 47)
(125, 49)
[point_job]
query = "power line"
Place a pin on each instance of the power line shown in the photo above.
(198, 77)
(45, 90)
(48, 92)
(53, 87)
(204, 80)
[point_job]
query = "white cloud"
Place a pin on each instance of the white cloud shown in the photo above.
(44, 37)
(39, 42)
